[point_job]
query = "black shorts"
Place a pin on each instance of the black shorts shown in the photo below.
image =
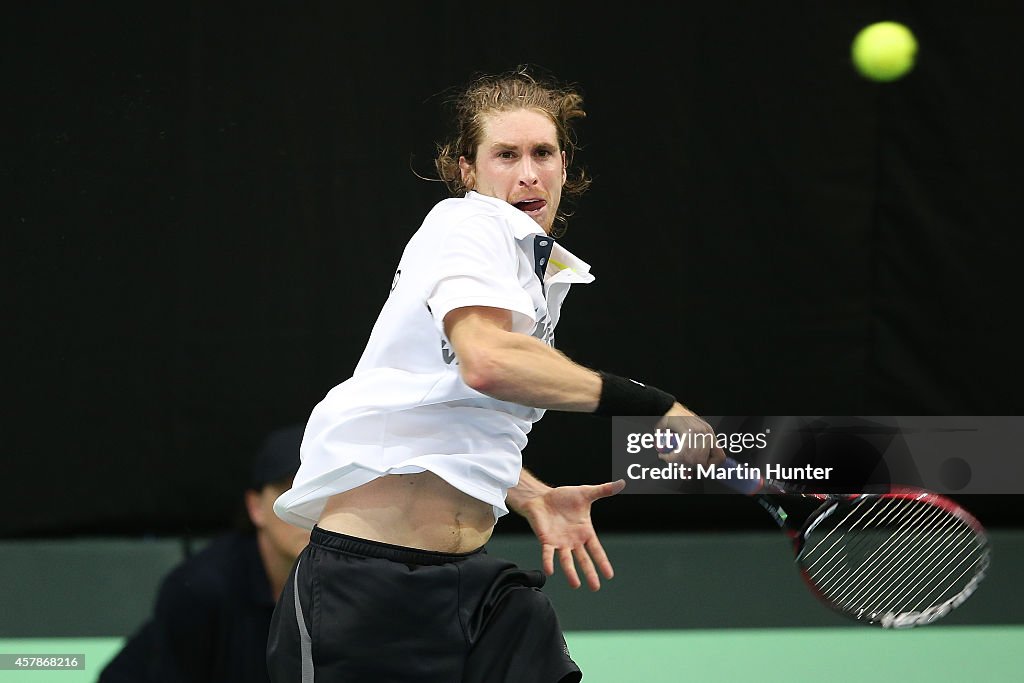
(357, 610)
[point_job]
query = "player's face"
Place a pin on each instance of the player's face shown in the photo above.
(519, 161)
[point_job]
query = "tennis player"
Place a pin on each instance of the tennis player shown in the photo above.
(407, 465)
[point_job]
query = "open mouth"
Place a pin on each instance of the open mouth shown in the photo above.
(530, 205)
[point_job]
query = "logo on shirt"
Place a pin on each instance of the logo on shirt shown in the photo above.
(447, 355)
(544, 330)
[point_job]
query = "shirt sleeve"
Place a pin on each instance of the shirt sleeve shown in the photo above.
(477, 264)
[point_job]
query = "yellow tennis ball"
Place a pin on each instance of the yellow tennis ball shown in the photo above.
(884, 51)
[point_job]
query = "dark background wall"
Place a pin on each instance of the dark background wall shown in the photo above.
(206, 202)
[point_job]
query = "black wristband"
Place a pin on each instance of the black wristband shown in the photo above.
(621, 396)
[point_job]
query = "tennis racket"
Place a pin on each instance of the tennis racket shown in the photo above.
(899, 559)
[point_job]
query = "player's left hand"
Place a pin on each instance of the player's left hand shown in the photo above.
(560, 517)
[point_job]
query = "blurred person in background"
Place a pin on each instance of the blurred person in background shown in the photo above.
(213, 611)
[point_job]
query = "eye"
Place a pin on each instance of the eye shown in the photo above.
(507, 154)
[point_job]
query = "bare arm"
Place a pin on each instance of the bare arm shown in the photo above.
(517, 367)
(528, 488)
(520, 368)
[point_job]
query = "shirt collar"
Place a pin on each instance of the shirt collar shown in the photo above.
(564, 264)
(570, 266)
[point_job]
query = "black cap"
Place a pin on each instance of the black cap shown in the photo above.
(278, 457)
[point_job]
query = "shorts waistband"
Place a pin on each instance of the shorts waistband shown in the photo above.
(386, 551)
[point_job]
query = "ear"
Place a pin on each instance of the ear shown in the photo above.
(565, 174)
(254, 506)
(468, 175)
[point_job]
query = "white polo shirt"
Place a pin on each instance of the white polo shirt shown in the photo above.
(406, 409)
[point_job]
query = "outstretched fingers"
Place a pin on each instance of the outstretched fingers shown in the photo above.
(547, 558)
(610, 488)
(586, 565)
(569, 567)
(600, 558)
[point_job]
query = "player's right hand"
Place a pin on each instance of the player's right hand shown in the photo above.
(691, 440)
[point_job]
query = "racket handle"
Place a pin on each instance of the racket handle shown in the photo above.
(739, 479)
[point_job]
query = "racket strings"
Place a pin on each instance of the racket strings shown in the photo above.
(932, 546)
(918, 558)
(833, 556)
(829, 580)
(892, 555)
(858, 590)
(901, 560)
(934, 582)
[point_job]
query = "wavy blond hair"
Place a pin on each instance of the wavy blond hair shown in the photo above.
(518, 89)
